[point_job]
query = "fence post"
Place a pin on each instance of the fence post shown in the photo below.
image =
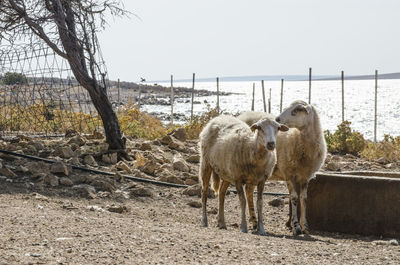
(119, 95)
(280, 106)
(140, 95)
(263, 95)
(252, 102)
(376, 103)
(269, 101)
(172, 100)
(309, 86)
(342, 96)
(217, 95)
(191, 111)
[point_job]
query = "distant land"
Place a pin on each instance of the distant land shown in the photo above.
(285, 77)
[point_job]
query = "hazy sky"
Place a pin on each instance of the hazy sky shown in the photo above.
(254, 37)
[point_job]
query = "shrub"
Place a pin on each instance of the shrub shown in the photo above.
(194, 127)
(11, 78)
(388, 148)
(344, 140)
(139, 124)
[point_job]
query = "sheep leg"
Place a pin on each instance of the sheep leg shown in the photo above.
(289, 222)
(249, 189)
(303, 198)
(260, 224)
(205, 175)
(296, 230)
(240, 191)
(221, 195)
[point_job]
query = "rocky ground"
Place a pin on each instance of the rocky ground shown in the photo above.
(53, 214)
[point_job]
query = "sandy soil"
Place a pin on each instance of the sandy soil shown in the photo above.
(54, 226)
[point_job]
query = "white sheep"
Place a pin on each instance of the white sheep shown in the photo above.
(238, 154)
(300, 153)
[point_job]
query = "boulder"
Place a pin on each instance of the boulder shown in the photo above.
(171, 179)
(166, 139)
(180, 164)
(123, 166)
(66, 182)
(51, 180)
(59, 168)
(149, 167)
(102, 185)
(176, 144)
(180, 134)
(141, 192)
(190, 182)
(193, 158)
(145, 146)
(195, 190)
(110, 158)
(89, 160)
(64, 152)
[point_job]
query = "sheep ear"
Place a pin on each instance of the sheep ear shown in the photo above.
(303, 108)
(254, 127)
(283, 128)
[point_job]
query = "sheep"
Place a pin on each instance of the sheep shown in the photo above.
(235, 153)
(300, 154)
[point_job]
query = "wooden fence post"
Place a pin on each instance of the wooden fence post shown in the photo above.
(191, 111)
(269, 101)
(119, 95)
(342, 96)
(172, 100)
(309, 86)
(140, 95)
(217, 95)
(252, 102)
(280, 106)
(376, 103)
(263, 95)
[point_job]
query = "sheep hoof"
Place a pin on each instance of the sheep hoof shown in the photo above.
(243, 229)
(222, 226)
(305, 229)
(262, 232)
(289, 225)
(204, 223)
(296, 230)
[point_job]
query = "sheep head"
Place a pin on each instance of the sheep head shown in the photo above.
(297, 115)
(266, 130)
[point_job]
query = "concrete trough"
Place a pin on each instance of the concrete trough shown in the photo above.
(354, 204)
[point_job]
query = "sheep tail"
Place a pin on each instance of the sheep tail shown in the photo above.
(215, 181)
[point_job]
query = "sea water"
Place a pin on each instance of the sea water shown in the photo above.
(326, 96)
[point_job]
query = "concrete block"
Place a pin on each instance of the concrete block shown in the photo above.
(351, 204)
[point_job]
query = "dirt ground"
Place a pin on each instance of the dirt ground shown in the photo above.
(56, 227)
(48, 218)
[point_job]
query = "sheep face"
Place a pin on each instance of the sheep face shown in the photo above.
(267, 130)
(297, 115)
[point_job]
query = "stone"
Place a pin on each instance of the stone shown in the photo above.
(166, 139)
(89, 160)
(78, 140)
(149, 167)
(38, 176)
(194, 158)
(195, 190)
(123, 166)
(190, 182)
(168, 167)
(176, 144)
(59, 168)
(85, 191)
(117, 208)
(66, 182)
(51, 180)
(171, 179)
(333, 166)
(102, 185)
(74, 160)
(180, 134)
(110, 158)
(141, 192)
(277, 202)
(180, 164)
(64, 152)
(21, 169)
(156, 142)
(1, 165)
(382, 161)
(38, 167)
(7, 172)
(194, 204)
(145, 146)
(38, 145)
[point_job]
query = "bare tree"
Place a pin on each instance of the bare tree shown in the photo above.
(69, 28)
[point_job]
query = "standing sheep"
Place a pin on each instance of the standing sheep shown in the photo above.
(237, 154)
(300, 153)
